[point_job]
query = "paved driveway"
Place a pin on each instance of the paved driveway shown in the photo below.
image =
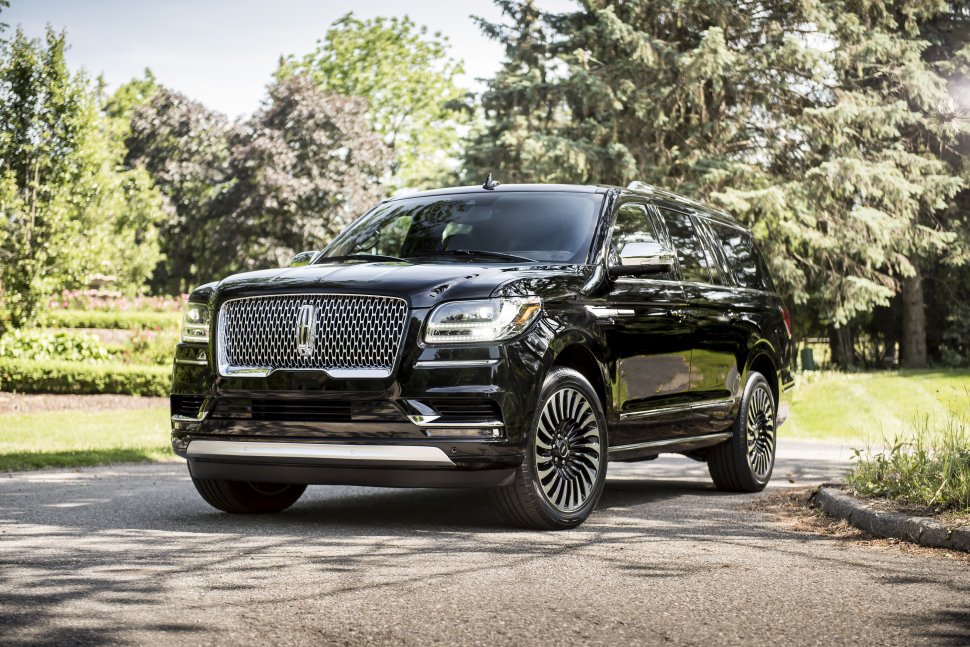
(132, 555)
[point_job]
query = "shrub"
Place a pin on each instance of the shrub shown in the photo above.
(42, 345)
(55, 376)
(112, 319)
(115, 302)
(930, 468)
(148, 347)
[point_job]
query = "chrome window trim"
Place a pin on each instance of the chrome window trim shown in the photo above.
(224, 369)
(323, 451)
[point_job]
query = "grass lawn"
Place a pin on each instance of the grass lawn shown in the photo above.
(857, 409)
(861, 408)
(74, 438)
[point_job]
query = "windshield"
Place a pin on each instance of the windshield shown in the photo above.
(544, 226)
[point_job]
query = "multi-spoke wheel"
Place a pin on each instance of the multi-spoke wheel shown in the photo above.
(744, 463)
(567, 449)
(562, 475)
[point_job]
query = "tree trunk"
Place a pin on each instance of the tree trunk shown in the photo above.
(842, 347)
(913, 341)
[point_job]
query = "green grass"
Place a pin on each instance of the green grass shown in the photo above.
(928, 467)
(76, 438)
(873, 408)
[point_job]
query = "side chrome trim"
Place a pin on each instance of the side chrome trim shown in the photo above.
(677, 408)
(350, 453)
(670, 442)
(603, 312)
(454, 363)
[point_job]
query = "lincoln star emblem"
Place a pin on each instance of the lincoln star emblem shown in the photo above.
(306, 330)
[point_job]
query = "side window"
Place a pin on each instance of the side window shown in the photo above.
(633, 225)
(695, 265)
(744, 261)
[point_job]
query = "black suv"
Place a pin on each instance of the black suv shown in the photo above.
(513, 337)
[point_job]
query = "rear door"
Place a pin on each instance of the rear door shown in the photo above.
(647, 331)
(715, 340)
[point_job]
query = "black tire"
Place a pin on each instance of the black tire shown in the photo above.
(745, 463)
(248, 498)
(561, 478)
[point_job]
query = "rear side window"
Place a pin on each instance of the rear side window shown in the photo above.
(744, 261)
(695, 265)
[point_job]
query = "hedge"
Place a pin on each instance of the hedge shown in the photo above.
(121, 319)
(47, 376)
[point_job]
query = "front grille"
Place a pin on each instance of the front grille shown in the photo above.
(188, 406)
(466, 410)
(283, 410)
(344, 335)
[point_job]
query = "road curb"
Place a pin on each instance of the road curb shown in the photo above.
(918, 530)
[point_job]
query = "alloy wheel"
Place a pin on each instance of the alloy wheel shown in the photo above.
(567, 449)
(760, 432)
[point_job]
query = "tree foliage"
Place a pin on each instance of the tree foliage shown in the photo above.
(816, 123)
(409, 81)
(252, 194)
(66, 210)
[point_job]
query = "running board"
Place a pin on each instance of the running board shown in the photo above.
(671, 444)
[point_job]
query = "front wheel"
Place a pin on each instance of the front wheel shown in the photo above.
(248, 498)
(745, 463)
(563, 472)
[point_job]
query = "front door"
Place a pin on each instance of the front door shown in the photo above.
(647, 331)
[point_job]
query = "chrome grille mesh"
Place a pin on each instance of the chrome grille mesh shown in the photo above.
(355, 335)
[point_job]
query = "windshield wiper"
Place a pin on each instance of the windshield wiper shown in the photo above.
(481, 253)
(362, 257)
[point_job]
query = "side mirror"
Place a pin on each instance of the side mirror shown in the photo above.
(303, 258)
(643, 258)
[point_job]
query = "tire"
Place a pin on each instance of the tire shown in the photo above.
(562, 475)
(745, 463)
(248, 498)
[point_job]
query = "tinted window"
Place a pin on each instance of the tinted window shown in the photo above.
(694, 262)
(633, 225)
(744, 261)
(540, 226)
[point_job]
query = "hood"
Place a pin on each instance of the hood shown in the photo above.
(422, 284)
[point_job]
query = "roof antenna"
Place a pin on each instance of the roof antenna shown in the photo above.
(490, 184)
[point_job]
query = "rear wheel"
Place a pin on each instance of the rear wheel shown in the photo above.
(563, 473)
(745, 463)
(248, 498)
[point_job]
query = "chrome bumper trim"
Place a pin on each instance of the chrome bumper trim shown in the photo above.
(193, 362)
(430, 421)
(350, 453)
(454, 363)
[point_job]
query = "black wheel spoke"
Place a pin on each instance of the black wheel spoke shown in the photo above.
(759, 430)
(567, 449)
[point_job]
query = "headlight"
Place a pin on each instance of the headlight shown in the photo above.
(478, 321)
(195, 324)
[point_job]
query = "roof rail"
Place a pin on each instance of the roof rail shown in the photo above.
(637, 185)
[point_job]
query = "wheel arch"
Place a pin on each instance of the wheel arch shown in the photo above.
(579, 353)
(762, 361)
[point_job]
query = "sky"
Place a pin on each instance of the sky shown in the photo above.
(224, 53)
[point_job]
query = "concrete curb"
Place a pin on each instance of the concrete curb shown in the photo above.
(918, 530)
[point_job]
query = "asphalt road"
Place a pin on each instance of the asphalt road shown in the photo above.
(132, 555)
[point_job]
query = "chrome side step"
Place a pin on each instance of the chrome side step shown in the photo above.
(350, 453)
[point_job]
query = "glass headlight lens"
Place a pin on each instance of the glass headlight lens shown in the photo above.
(195, 323)
(478, 321)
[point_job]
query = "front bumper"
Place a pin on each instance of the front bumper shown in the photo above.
(399, 416)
